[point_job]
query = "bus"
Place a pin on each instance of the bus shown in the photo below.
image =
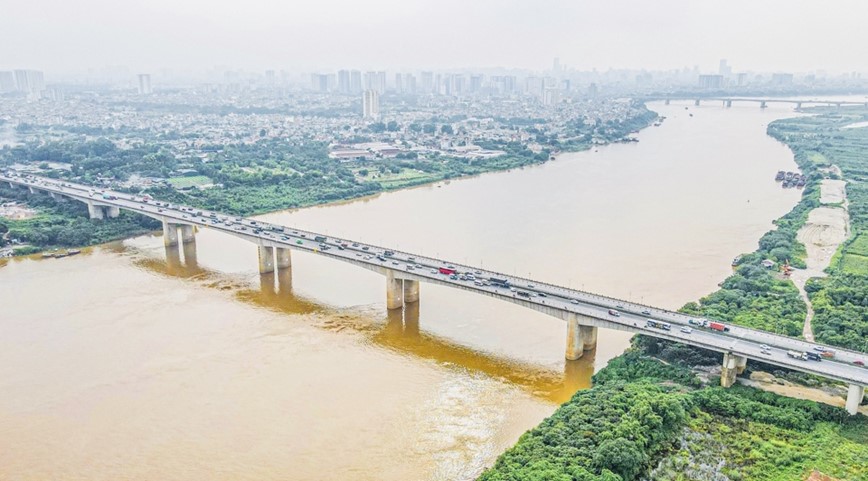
(657, 324)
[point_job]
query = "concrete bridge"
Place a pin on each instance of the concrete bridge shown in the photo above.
(762, 102)
(582, 312)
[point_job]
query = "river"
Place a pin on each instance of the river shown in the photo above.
(121, 363)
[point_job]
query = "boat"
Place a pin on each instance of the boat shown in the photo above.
(780, 175)
(60, 254)
(47, 255)
(736, 261)
(73, 252)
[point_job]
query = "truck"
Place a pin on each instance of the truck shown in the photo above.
(320, 238)
(109, 197)
(797, 355)
(718, 326)
(827, 354)
(447, 271)
(498, 282)
(813, 356)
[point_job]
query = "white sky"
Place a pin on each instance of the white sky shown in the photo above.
(766, 35)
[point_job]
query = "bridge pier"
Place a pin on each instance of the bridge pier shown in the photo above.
(798, 105)
(732, 365)
(855, 393)
(666, 102)
(727, 103)
(394, 291)
(284, 258)
(266, 259)
(170, 233)
(763, 104)
(111, 211)
(31, 189)
(696, 102)
(579, 338)
(95, 211)
(188, 233)
(411, 291)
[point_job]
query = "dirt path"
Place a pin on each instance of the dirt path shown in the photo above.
(826, 228)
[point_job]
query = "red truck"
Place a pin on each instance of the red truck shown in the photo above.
(718, 327)
(447, 271)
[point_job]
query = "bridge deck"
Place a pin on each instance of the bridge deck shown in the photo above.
(548, 298)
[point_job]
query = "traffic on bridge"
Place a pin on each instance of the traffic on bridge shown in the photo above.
(584, 312)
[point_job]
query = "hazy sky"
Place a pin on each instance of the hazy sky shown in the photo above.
(768, 35)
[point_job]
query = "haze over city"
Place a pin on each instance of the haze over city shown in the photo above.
(62, 37)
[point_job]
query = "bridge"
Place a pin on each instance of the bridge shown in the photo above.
(583, 312)
(762, 102)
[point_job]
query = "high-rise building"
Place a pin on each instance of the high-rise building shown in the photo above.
(355, 82)
(556, 65)
(319, 82)
(370, 80)
(475, 83)
(782, 79)
(344, 81)
(551, 96)
(144, 84)
(427, 82)
(399, 84)
(270, 77)
(724, 69)
(371, 104)
(409, 84)
(381, 82)
(7, 82)
(534, 86)
(30, 82)
(711, 81)
(593, 90)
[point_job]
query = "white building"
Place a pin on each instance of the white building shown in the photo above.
(371, 104)
(145, 84)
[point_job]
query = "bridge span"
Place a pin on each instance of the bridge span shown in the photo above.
(583, 312)
(762, 102)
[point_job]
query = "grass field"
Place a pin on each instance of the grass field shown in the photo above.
(185, 182)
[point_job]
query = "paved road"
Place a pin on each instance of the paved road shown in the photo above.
(610, 312)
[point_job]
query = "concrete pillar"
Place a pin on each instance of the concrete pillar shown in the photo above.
(191, 259)
(855, 393)
(394, 291)
(111, 211)
(763, 104)
(740, 364)
(798, 105)
(666, 102)
(696, 102)
(730, 368)
(411, 291)
(170, 234)
(266, 259)
(95, 211)
(728, 103)
(284, 257)
(589, 337)
(575, 345)
(188, 233)
(32, 190)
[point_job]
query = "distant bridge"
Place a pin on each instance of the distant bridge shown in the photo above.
(583, 312)
(763, 102)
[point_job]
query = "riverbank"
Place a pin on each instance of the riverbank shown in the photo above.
(247, 195)
(739, 433)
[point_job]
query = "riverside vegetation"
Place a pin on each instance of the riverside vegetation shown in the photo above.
(647, 419)
(269, 175)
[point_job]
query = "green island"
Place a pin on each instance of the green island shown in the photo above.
(650, 416)
(249, 179)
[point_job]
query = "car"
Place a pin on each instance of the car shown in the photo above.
(647, 312)
(764, 347)
(819, 348)
(859, 362)
(365, 248)
(355, 244)
(766, 352)
(395, 263)
(620, 306)
(686, 330)
(299, 242)
(542, 294)
(574, 301)
(613, 312)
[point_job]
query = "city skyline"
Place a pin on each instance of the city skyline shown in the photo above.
(671, 34)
